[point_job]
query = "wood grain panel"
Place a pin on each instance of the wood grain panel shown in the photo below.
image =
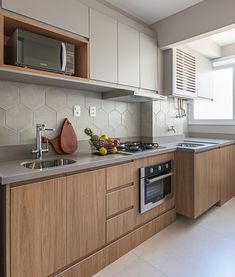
(119, 225)
(197, 185)
(112, 252)
(5, 231)
(153, 160)
(85, 213)
(119, 175)
(184, 183)
(38, 228)
(119, 200)
(227, 173)
(206, 180)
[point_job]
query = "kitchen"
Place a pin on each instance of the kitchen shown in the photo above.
(117, 138)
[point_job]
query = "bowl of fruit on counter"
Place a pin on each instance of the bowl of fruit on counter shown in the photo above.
(102, 145)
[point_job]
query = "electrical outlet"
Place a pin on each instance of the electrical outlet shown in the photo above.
(76, 111)
(92, 111)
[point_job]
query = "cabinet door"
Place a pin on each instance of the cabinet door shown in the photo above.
(205, 78)
(207, 180)
(128, 56)
(227, 180)
(38, 228)
(148, 62)
(103, 47)
(70, 15)
(85, 213)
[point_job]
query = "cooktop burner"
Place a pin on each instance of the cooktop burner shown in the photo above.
(135, 146)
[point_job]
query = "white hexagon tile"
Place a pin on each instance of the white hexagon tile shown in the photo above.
(24, 105)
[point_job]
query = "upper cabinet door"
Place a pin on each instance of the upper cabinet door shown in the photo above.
(128, 56)
(148, 62)
(205, 78)
(103, 47)
(70, 15)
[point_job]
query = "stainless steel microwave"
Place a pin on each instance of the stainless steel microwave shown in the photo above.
(35, 51)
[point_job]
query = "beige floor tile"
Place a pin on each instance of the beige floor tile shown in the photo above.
(140, 268)
(117, 266)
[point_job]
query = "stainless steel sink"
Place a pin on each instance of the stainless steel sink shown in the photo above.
(44, 164)
(189, 145)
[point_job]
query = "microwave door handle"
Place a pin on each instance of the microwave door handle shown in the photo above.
(64, 56)
(150, 181)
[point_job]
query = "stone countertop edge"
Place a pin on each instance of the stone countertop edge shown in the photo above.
(13, 172)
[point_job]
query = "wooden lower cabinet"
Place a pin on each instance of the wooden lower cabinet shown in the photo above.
(119, 175)
(38, 228)
(77, 222)
(203, 179)
(227, 173)
(115, 250)
(120, 224)
(119, 200)
(86, 217)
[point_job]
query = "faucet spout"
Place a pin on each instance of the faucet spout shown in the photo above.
(172, 129)
(39, 149)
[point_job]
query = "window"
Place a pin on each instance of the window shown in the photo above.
(221, 109)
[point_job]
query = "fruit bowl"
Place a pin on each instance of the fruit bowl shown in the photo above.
(102, 144)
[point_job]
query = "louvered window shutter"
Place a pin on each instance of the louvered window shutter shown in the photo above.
(185, 73)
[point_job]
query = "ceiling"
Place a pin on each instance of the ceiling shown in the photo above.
(151, 11)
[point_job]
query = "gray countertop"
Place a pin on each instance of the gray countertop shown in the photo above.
(13, 171)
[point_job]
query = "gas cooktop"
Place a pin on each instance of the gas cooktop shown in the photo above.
(136, 146)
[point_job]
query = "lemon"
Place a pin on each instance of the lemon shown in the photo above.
(105, 137)
(114, 150)
(103, 151)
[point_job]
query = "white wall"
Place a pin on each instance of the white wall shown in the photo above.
(205, 17)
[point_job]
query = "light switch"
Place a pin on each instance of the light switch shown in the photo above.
(76, 111)
(92, 111)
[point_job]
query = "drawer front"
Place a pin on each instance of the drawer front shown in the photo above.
(120, 175)
(119, 225)
(119, 201)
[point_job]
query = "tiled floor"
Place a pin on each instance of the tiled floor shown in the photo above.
(188, 248)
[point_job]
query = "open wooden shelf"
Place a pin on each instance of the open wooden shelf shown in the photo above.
(9, 23)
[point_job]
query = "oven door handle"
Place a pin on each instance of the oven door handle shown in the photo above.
(150, 181)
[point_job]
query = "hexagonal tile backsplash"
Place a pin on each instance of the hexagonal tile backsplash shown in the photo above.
(24, 105)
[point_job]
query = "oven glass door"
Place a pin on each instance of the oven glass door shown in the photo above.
(155, 191)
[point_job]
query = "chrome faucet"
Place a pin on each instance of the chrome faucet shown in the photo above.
(172, 129)
(39, 150)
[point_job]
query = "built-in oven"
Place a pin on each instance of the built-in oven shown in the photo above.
(156, 185)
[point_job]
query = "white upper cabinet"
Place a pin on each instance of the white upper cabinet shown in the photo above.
(148, 62)
(205, 78)
(70, 15)
(128, 56)
(103, 47)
